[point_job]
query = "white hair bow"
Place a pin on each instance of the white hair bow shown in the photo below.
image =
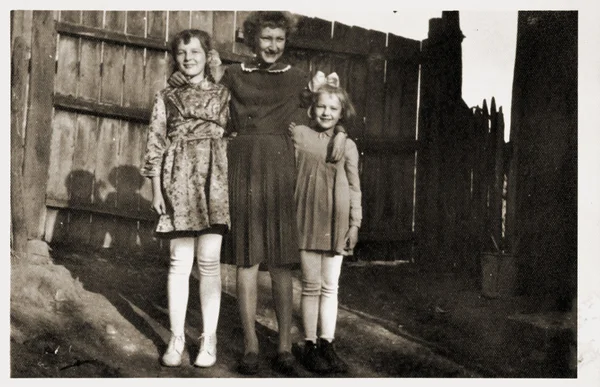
(320, 79)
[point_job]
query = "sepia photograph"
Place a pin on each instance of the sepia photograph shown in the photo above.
(302, 191)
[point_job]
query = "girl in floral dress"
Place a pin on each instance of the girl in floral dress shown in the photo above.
(186, 159)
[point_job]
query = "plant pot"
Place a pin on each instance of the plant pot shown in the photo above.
(499, 275)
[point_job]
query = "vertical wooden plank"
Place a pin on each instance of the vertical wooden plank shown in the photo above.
(113, 60)
(106, 159)
(79, 227)
(223, 29)
(133, 78)
(112, 73)
(84, 161)
(18, 104)
(67, 65)
(150, 243)
(93, 18)
(38, 135)
(57, 226)
(375, 85)
(127, 180)
(240, 47)
(115, 20)
(157, 24)
(136, 23)
(21, 27)
(89, 70)
(103, 226)
(202, 20)
(103, 231)
(61, 156)
(155, 75)
(90, 59)
(70, 16)
(178, 21)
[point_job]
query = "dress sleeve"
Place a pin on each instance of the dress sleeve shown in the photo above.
(351, 167)
(157, 138)
(224, 115)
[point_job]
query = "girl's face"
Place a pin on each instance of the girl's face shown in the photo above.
(191, 59)
(328, 110)
(270, 44)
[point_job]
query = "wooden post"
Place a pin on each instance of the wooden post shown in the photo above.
(39, 118)
(18, 106)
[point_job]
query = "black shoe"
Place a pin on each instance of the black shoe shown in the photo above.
(249, 364)
(327, 351)
(312, 359)
(285, 364)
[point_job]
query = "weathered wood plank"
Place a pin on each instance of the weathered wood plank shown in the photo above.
(89, 69)
(67, 65)
(70, 16)
(136, 23)
(133, 88)
(126, 178)
(112, 74)
(106, 159)
(18, 109)
(99, 34)
(178, 21)
(115, 20)
(101, 109)
(239, 47)
(84, 161)
(103, 231)
(93, 18)
(64, 126)
(202, 20)
(223, 30)
(38, 135)
(157, 25)
(155, 76)
(375, 87)
(80, 228)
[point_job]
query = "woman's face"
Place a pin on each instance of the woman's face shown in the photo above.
(270, 44)
(328, 110)
(191, 59)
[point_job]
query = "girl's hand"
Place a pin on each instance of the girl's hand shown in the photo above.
(351, 237)
(177, 79)
(158, 204)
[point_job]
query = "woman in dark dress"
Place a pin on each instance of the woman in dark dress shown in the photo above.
(265, 99)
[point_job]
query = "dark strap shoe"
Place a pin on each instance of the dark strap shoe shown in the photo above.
(336, 363)
(312, 359)
(249, 364)
(285, 363)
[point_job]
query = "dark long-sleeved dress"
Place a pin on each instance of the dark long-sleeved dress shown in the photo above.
(262, 169)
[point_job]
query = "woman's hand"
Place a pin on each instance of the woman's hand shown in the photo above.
(177, 79)
(291, 128)
(338, 148)
(351, 237)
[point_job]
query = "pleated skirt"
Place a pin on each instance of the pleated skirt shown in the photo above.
(262, 175)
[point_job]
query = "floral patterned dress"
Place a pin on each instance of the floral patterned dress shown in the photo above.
(186, 148)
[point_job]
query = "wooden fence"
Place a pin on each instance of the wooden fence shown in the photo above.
(86, 80)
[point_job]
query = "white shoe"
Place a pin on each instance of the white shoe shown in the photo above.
(207, 356)
(172, 357)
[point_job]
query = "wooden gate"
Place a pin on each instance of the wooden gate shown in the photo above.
(108, 66)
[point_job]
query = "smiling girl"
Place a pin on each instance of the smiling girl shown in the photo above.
(328, 204)
(186, 158)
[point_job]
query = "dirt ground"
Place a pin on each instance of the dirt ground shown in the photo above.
(101, 314)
